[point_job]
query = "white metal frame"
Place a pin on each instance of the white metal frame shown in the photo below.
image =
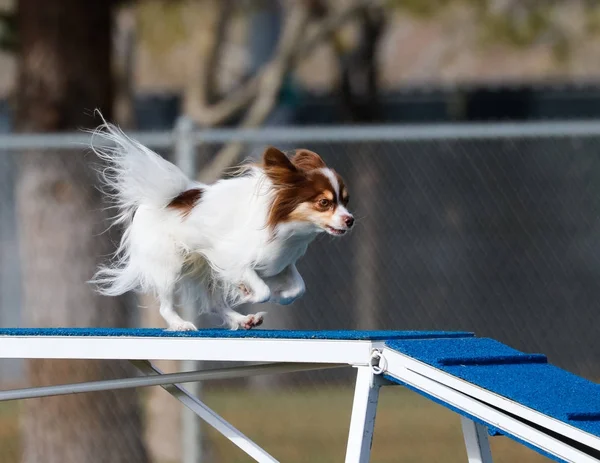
(364, 410)
(186, 348)
(370, 358)
(476, 441)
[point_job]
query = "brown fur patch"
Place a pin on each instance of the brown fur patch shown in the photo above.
(307, 160)
(273, 159)
(309, 188)
(185, 201)
(280, 169)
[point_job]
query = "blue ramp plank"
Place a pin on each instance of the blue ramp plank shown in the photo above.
(491, 429)
(345, 335)
(524, 378)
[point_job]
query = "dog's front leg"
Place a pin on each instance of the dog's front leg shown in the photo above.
(254, 289)
(287, 286)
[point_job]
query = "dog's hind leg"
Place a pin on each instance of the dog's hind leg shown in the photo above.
(167, 311)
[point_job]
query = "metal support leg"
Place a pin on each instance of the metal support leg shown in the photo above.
(476, 440)
(208, 415)
(191, 427)
(362, 423)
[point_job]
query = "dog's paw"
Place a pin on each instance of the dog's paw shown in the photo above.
(252, 320)
(182, 326)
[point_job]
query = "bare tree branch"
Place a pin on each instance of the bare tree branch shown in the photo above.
(208, 72)
(269, 88)
(266, 85)
(358, 69)
(332, 23)
(200, 105)
(210, 115)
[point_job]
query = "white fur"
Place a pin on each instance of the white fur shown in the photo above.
(224, 244)
(332, 179)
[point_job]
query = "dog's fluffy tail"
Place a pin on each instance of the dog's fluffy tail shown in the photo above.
(133, 176)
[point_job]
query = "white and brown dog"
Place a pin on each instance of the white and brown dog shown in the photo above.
(239, 238)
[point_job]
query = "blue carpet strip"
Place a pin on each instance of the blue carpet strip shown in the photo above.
(348, 335)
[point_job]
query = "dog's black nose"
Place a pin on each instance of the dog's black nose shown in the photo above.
(349, 221)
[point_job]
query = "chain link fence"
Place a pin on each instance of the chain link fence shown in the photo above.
(492, 233)
(491, 229)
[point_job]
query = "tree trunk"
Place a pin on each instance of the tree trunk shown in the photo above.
(64, 73)
(359, 72)
(360, 103)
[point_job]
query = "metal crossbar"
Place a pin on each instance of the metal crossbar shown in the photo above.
(163, 379)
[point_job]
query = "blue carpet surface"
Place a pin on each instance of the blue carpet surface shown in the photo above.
(225, 333)
(491, 429)
(525, 378)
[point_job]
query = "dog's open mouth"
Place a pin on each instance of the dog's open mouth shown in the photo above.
(335, 231)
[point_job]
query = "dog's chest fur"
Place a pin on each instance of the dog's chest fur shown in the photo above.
(281, 252)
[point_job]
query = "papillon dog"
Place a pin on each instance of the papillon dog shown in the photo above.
(238, 239)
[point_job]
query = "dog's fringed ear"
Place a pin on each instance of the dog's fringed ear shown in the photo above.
(280, 169)
(276, 159)
(307, 160)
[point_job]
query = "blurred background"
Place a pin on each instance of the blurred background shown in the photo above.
(475, 178)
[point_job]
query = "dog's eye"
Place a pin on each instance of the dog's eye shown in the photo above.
(324, 203)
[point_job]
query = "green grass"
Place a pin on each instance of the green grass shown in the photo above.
(9, 433)
(311, 426)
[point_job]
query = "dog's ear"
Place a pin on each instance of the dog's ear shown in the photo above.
(276, 159)
(307, 160)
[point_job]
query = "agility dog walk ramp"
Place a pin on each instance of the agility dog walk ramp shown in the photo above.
(497, 390)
